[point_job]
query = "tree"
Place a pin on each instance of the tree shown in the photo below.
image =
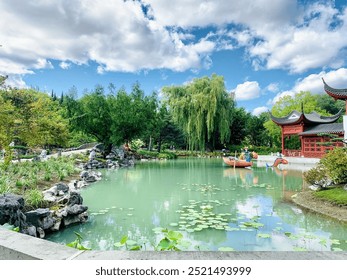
(203, 110)
(328, 104)
(92, 115)
(30, 117)
(133, 114)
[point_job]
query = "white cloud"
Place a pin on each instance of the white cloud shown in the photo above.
(314, 84)
(247, 90)
(118, 36)
(273, 87)
(115, 34)
(283, 35)
(259, 110)
(64, 65)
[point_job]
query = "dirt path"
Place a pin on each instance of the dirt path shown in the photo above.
(309, 201)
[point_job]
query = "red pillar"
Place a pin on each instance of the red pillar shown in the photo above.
(282, 141)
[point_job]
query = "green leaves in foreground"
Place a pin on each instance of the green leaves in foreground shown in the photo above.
(130, 245)
(170, 241)
(77, 243)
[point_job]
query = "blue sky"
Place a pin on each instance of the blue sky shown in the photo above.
(264, 49)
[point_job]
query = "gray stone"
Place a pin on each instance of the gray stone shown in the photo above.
(40, 233)
(56, 225)
(30, 230)
(61, 187)
(84, 174)
(40, 218)
(75, 198)
(73, 219)
(76, 209)
(11, 206)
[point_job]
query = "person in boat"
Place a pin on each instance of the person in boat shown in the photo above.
(247, 154)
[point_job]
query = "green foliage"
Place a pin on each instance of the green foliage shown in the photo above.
(315, 174)
(162, 155)
(170, 242)
(77, 243)
(332, 165)
(335, 165)
(129, 244)
(136, 144)
(336, 196)
(34, 198)
(203, 110)
(30, 117)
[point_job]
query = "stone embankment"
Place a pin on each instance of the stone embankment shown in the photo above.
(66, 202)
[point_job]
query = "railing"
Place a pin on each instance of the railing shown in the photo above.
(292, 153)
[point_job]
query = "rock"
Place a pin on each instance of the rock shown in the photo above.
(56, 225)
(11, 206)
(61, 187)
(76, 209)
(30, 230)
(40, 232)
(75, 198)
(315, 187)
(72, 219)
(84, 174)
(90, 179)
(41, 217)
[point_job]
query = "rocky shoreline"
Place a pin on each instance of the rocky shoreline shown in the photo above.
(66, 202)
(308, 201)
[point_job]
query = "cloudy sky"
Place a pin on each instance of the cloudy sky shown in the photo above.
(264, 49)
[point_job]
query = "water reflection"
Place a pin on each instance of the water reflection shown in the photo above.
(246, 209)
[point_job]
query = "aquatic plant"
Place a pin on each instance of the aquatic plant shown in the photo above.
(77, 243)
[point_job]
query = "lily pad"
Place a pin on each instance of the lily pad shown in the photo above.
(174, 224)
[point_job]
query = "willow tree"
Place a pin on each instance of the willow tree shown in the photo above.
(203, 110)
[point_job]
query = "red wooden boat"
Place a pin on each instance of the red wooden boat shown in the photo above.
(231, 161)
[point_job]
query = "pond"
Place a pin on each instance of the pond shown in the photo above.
(215, 208)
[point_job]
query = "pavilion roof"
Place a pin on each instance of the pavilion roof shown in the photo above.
(335, 93)
(296, 117)
(331, 128)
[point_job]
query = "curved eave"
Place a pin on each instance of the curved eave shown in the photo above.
(335, 93)
(323, 119)
(285, 120)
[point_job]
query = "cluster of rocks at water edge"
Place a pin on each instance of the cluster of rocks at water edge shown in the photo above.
(38, 222)
(117, 158)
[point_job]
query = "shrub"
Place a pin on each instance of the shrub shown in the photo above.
(315, 174)
(335, 163)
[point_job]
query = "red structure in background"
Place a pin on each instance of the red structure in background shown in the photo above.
(309, 128)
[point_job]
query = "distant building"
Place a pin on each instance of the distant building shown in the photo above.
(308, 128)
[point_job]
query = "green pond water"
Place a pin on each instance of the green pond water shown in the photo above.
(212, 205)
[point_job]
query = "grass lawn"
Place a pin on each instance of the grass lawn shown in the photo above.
(336, 196)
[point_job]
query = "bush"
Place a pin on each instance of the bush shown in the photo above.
(335, 163)
(315, 174)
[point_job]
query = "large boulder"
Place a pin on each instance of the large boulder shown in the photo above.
(75, 198)
(40, 218)
(11, 207)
